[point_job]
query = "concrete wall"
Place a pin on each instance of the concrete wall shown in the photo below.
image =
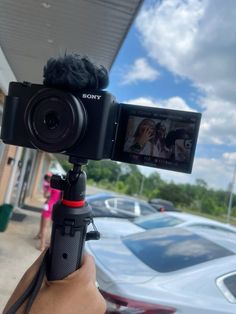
(6, 166)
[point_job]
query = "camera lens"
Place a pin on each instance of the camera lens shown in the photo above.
(55, 120)
(51, 120)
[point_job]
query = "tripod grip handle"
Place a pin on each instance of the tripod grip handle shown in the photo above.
(67, 243)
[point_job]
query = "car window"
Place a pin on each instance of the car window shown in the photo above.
(145, 209)
(227, 285)
(157, 221)
(230, 283)
(173, 249)
(126, 205)
(111, 203)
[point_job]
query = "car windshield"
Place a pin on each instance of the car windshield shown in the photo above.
(173, 249)
(157, 221)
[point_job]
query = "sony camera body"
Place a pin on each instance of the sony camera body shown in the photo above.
(90, 124)
(80, 124)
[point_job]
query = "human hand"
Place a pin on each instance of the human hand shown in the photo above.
(75, 294)
(146, 135)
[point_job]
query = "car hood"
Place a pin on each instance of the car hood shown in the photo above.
(114, 262)
(115, 227)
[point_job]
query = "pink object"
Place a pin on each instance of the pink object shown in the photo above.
(46, 187)
(55, 196)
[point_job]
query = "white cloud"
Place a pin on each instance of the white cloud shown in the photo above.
(176, 103)
(218, 122)
(229, 158)
(216, 172)
(196, 39)
(141, 70)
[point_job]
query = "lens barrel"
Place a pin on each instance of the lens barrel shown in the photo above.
(55, 120)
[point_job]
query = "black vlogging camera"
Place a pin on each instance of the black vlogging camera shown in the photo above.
(72, 115)
(89, 123)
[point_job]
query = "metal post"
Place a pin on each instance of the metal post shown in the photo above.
(231, 196)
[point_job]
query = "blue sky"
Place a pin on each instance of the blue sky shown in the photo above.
(181, 55)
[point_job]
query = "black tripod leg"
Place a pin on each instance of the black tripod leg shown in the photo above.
(65, 251)
(70, 220)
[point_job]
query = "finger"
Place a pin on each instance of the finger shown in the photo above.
(86, 273)
(146, 133)
(88, 265)
(149, 134)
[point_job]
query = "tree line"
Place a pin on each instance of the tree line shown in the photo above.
(127, 179)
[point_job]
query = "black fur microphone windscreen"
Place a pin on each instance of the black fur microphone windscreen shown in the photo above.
(73, 73)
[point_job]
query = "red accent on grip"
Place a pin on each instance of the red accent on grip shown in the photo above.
(73, 203)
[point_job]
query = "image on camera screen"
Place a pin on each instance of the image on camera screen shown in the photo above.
(162, 139)
(159, 138)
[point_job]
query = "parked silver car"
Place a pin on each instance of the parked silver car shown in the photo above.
(172, 270)
(113, 227)
(116, 205)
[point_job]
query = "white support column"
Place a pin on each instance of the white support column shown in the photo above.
(13, 175)
(22, 174)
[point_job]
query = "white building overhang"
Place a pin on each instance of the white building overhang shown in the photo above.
(32, 31)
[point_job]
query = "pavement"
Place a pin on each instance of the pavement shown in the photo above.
(18, 248)
(17, 251)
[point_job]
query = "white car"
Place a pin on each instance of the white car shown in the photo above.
(167, 271)
(113, 227)
(116, 205)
